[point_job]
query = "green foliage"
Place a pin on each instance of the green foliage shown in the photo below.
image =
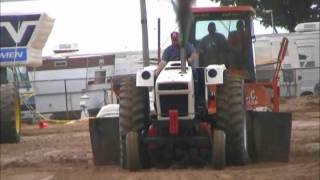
(286, 13)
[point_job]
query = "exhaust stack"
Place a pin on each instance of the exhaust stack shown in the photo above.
(184, 19)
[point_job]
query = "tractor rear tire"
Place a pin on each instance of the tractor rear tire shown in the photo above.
(10, 117)
(231, 112)
(133, 153)
(10, 114)
(218, 154)
(134, 112)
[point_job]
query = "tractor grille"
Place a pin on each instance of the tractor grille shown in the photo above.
(173, 86)
(179, 102)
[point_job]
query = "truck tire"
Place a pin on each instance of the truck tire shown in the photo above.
(231, 112)
(104, 136)
(218, 151)
(10, 117)
(133, 154)
(134, 112)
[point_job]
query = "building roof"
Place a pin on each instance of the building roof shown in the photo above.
(83, 61)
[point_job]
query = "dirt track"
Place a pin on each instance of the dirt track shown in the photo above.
(63, 152)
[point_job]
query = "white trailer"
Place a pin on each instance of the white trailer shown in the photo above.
(301, 66)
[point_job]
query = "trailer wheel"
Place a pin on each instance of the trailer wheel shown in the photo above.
(134, 112)
(231, 113)
(218, 153)
(10, 117)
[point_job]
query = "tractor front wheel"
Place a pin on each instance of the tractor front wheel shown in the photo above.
(132, 148)
(218, 154)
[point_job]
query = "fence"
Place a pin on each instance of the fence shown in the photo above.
(294, 82)
(62, 97)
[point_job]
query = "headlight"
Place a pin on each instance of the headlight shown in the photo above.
(212, 73)
(146, 75)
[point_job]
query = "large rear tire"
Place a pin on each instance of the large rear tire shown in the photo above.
(134, 112)
(218, 149)
(231, 112)
(10, 115)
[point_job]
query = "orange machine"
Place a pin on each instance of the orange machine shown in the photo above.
(264, 95)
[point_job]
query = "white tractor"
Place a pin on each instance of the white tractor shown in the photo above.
(207, 115)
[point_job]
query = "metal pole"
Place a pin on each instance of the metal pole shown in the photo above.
(87, 66)
(271, 16)
(183, 57)
(272, 23)
(66, 96)
(144, 25)
(159, 39)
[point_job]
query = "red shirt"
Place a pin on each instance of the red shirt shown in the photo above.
(237, 39)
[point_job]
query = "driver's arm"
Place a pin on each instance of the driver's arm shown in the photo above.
(161, 65)
(192, 54)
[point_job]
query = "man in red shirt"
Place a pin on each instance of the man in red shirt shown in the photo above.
(238, 42)
(172, 52)
(237, 38)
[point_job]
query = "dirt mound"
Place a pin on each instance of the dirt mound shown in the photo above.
(300, 104)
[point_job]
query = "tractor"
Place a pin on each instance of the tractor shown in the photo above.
(210, 114)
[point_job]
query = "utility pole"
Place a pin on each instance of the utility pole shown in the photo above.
(144, 25)
(66, 97)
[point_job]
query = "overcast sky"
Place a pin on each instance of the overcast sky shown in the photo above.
(100, 26)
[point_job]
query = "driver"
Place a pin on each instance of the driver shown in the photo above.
(172, 52)
(212, 47)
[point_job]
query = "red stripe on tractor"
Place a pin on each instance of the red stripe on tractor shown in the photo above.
(152, 132)
(173, 122)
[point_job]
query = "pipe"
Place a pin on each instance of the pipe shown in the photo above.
(159, 39)
(144, 24)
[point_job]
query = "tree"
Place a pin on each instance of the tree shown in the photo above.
(286, 13)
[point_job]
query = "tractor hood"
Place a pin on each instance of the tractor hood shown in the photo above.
(23, 37)
(171, 73)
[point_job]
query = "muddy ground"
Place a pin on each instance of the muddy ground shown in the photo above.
(63, 151)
